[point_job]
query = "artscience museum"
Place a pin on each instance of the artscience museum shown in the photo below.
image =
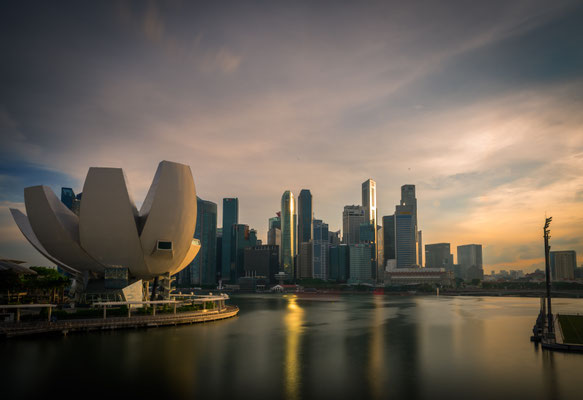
(108, 232)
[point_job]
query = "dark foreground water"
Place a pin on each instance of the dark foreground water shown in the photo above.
(283, 347)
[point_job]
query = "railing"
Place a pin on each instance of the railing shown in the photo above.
(13, 329)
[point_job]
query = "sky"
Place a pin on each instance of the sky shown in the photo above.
(478, 104)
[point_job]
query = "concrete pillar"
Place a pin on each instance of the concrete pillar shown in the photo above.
(153, 309)
(104, 311)
(49, 313)
(18, 314)
(129, 310)
(174, 308)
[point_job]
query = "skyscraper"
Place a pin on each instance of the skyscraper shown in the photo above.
(407, 234)
(339, 263)
(305, 216)
(288, 234)
(352, 217)
(334, 238)
(274, 231)
(202, 270)
(469, 258)
(243, 238)
(563, 264)
(320, 249)
(406, 250)
(230, 218)
(67, 197)
(369, 203)
(389, 238)
(438, 255)
(360, 256)
(306, 260)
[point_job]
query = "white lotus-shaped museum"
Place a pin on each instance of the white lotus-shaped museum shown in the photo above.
(109, 231)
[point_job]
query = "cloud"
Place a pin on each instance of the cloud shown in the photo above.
(223, 60)
(262, 98)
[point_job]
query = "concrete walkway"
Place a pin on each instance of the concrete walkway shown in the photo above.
(12, 329)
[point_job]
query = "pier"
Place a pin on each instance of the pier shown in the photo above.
(64, 327)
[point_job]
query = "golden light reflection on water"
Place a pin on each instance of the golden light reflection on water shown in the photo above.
(375, 372)
(293, 323)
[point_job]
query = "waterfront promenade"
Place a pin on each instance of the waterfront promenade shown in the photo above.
(64, 327)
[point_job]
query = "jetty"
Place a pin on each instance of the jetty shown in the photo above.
(219, 311)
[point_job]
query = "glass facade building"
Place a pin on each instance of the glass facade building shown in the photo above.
(352, 217)
(389, 238)
(360, 256)
(243, 238)
(563, 264)
(305, 216)
(230, 218)
(288, 234)
(405, 243)
(67, 197)
(438, 255)
(339, 262)
(320, 245)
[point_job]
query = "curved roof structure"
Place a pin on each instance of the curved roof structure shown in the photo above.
(109, 231)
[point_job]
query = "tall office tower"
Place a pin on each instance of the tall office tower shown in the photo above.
(339, 263)
(320, 244)
(206, 232)
(334, 238)
(380, 255)
(288, 234)
(243, 238)
(405, 245)
(369, 200)
(360, 256)
(230, 218)
(219, 253)
(438, 255)
(202, 270)
(305, 216)
(389, 238)
(274, 231)
(67, 197)
(76, 207)
(420, 248)
(407, 248)
(275, 222)
(366, 233)
(469, 258)
(369, 203)
(305, 260)
(352, 217)
(563, 264)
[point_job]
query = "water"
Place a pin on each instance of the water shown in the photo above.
(359, 346)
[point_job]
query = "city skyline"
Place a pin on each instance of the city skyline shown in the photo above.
(476, 111)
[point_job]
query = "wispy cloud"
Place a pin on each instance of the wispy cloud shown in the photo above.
(455, 98)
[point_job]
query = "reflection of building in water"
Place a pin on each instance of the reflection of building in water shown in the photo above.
(551, 382)
(402, 342)
(293, 324)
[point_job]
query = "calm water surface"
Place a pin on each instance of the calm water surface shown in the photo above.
(282, 347)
